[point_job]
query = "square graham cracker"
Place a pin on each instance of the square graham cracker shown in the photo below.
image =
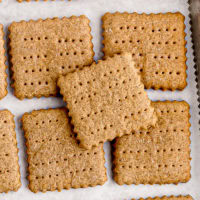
(106, 100)
(157, 43)
(3, 75)
(44, 49)
(188, 197)
(9, 167)
(159, 155)
(55, 160)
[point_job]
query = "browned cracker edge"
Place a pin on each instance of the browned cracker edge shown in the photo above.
(168, 13)
(10, 50)
(20, 1)
(114, 146)
(28, 158)
(17, 152)
(164, 197)
(5, 74)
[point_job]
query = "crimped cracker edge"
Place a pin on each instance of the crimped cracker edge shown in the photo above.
(20, 1)
(5, 74)
(114, 146)
(167, 13)
(163, 197)
(10, 51)
(67, 187)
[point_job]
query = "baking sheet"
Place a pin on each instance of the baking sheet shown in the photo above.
(195, 22)
(11, 11)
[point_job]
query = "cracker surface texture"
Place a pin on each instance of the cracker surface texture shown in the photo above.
(157, 43)
(159, 155)
(3, 75)
(169, 198)
(106, 100)
(9, 167)
(44, 49)
(55, 160)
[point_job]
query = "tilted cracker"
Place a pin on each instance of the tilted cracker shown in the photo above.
(157, 43)
(188, 197)
(9, 167)
(159, 155)
(106, 100)
(44, 49)
(55, 160)
(3, 75)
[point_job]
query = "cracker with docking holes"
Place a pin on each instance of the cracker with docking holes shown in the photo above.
(188, 197)
(157, 43)
(9, 167)
(3, 75)
(106, 100)
(44, 49)
(55, 160)
(159, 155)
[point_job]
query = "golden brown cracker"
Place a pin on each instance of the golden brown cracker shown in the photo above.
(3, 75)
(157, 43)
(188, 197)
(9, 167)
(55, 160)
(159, 155)
(44, 49)
(106, 100)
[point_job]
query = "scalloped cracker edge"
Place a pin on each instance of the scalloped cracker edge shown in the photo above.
(180, 197)
(3, 67)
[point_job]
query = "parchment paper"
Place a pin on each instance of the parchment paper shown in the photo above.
(11, 10)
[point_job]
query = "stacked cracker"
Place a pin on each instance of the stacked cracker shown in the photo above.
(106, 101)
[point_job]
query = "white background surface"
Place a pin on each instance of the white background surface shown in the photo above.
(11, 10)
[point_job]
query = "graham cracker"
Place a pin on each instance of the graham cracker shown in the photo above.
(159, 155)
(106, 100)
(55, 160)
(9, 167)
(44, 49)
(188, 197)
(3, 75)
(157, 43)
